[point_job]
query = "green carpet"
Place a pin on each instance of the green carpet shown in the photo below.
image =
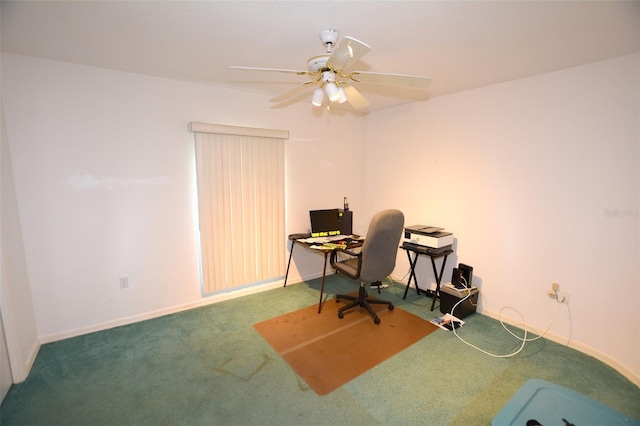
(208, 366)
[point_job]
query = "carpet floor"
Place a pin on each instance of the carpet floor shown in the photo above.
(209, 366)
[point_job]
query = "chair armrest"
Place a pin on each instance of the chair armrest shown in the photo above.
(350, 267)
(351, 252)
(334, 254)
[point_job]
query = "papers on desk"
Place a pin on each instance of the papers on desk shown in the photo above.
(324, 240)
(329, 246)
(333, 242)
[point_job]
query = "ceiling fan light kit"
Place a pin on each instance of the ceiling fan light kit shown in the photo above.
(318, 97)
(332, 91)
(328, 73)
(342, 98)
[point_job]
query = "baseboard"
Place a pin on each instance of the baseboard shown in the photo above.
(205, 301)
(20, 374)
(581, 347)
(31, 358)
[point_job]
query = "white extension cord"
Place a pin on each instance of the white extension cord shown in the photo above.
(523, 339)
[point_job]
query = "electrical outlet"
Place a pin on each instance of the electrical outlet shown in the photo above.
(124, 282)
(564, 297)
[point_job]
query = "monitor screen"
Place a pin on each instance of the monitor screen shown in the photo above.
(325, 222)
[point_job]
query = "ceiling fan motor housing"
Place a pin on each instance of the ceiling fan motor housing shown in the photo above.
(329, 38)
(318, 62)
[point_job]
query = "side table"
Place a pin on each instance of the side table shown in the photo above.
(433, 254)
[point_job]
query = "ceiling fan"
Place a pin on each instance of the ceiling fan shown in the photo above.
(329, 76)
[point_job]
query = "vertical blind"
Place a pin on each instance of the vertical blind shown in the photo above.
(240, 180)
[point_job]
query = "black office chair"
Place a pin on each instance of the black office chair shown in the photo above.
(374, 262)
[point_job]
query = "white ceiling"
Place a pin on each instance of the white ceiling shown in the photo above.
(459, 44)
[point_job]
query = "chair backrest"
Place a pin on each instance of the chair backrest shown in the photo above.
(380, 246)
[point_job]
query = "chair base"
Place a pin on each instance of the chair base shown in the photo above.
(363, 301)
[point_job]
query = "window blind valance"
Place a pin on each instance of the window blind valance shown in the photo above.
(223, 129)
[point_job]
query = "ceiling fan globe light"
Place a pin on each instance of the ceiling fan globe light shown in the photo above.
(342, 98)
(317, 98)
(332, 91)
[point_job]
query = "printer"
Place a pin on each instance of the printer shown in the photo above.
(428, 236)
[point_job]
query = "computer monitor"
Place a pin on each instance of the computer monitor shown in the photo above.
(329, 222)
(325, 222)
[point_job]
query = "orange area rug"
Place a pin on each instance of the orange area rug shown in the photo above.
(328, 352)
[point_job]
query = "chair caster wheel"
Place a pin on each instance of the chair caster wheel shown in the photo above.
(376, 320)
(340, 315)
(391, 307)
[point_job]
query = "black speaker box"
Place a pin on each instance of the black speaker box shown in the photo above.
(346, 221)
(449, 298)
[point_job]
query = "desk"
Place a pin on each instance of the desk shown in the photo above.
(296, 239)
(433, 254)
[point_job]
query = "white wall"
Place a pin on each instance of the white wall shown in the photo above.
(104, 175)
(538, 179)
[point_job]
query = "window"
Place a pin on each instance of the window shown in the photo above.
(240, 179)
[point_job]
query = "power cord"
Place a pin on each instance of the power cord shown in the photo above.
(385, 283)
(391, 282)
(523, 339)
(557, 297)
(398, 291)
(405, 275)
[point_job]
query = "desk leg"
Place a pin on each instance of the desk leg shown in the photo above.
(438, 279)
(412, 274)
(324, 272)
(293, 244)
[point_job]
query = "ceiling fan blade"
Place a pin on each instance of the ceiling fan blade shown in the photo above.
(293, 92)
(347, 53)
(355, 98)
(298, 72)
(400, 80)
